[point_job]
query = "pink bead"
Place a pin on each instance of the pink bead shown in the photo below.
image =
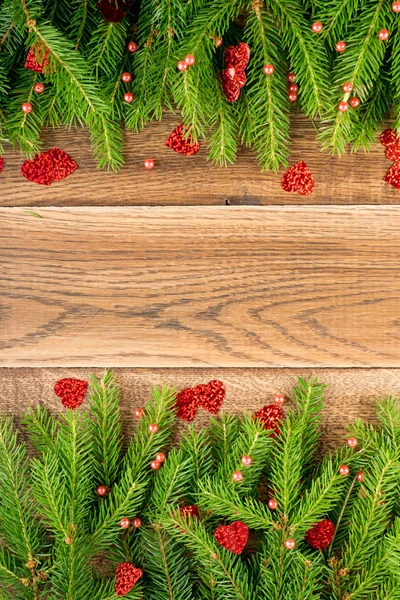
(383, 34)
(341, 46)
(27, 107)
(39, 87)
(182, 66)
(396, 7)
(149, 164)
(132, 47)
(269, 69)
(352, 442)
(290, 544)
(153, 427)
(138, 412)
(344, 470)
(101, 490)
(347, 87)
(124, 523)
(292, 97)
(136, 523)
(218, 42)
(360, 476)
(190, 60)
(129, 97)
(272, 504)
(155, 465)
(294, 88)
(126, 77)
(343, 106)
(354, 102)
(161, 457)
(317, 27)
(237, 476)
(246, 460)
(291, 77)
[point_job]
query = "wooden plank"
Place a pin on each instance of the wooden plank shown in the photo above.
(350, 393)
(177, 180)
(216, 286)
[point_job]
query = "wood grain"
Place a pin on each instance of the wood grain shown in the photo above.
(177, 180)
(350, 393)
(215, 286)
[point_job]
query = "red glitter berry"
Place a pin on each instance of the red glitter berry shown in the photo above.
(36, 59)
(189, 511)
(181, 144)
(113, 10)
(298, 179)
(389, 137)
(392, 177)
(270, 416)
(320, 535)
(233, 537)
(126, 575)
(71, 391)
(393, 152)
(1, 164)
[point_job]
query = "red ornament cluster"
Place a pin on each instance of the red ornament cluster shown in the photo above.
(36, 59)
(113, 11)
(126, 575)
(47, 167)
(71, 391)
(158, 461)
(233, 77)
(390, 140)
(298, 179)
(210, 396)
(233, 537)
(270, 416)
(181, 144)
(320, 535)
(187, 62)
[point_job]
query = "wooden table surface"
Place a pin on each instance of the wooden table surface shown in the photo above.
(191, 265)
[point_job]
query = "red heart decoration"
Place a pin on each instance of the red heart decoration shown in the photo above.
(230, 85)
(237, 56)
(212, 396)
(233, 537)
(177, 142)
(389, 137)
(392, 177)
(320, 535)
(298, 179)
(47, 167)
(1, 164)
(187, 403)
(63, 164)
(126, 575)
(71, 391)
(270, 416)
(233, 77)
(393, 152)
(191, 510)
(36, 58)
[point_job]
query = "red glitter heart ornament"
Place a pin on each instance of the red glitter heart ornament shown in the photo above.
(233, 537)
(113, 10)
(320, 535)
(36, 58)
(389, 137)
(126, 575)
(191, 510)
(177, 142)
(230, 85)
(233, 77)
(63, 164)
(237, 56)
(1, 164)
(393, 152)
(187, 403)
(212, 396)
(270, 416)
(298, 179)
(71, 391)
(392, 177)
(47, 167)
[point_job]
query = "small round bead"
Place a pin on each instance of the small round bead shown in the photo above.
(290, 544)
(343, 106)
(149, 164)
(292, 97)
(27, 107)
(317, 27)
(354, 102)
(291, 77)
(155, 465)
(347, 87)
(237, 476)
(383, 34)
(294, 88)
(360, 476)
(341, 46)
(136, 523)
(272, 504)
(246, 460)
(218, 41)
(190, 60)
(153, 427)
(182, 66)
(138, 412)
(126, 77)
(101, 490)
(352, 442)
(39, 87)
(269, 69)
(132, 47)
(161, 457)
(396, 7)
(124, 523)
(344, 470)
(129, 97)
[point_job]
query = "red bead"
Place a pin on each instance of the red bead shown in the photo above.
(294, 88)
(149, 164)
(354, 102)
(272, 504)
(396, 7)
(347, 87)
(136, 523)
(280, 398)
(269, 69)
(352, 442)
(153, 427)
(138, 412)
(132, 47)
(292, 97)
(39, 87)
(343, 106)
(246, 460)
(126, 77)
(383, 34)
(161, 457)
(341, 46)
(190, 60)
(124, 523)
(129, 97)
(237, 476)
(182, 66)
(317, 27)
(217, 41)
(344, 470)
(155, 465)
(291, 77)
(290, 544)
(27, 107)
(101, 490)
(360, 476)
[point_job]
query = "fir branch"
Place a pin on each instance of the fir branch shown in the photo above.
(42, 429)
(197, 447)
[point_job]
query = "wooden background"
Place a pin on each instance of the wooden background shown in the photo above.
(191, 272)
